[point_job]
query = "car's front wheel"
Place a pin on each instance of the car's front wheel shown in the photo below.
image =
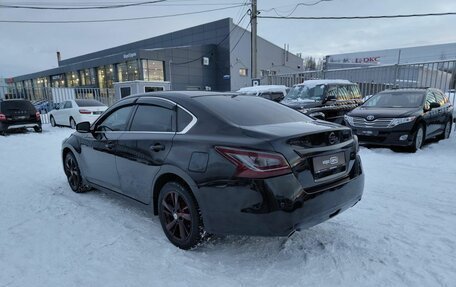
(179, 216)
(38, 129)
(73, 173)
(52, 121)
(418, 139)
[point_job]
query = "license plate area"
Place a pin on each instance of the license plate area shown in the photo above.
(367, 132)
(328, 165)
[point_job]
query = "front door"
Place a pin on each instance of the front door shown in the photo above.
(144, 148)
(100, 149)
(431, 116)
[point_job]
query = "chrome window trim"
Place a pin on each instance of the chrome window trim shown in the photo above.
(184, 131)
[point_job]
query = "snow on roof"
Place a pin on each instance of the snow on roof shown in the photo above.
(263, 88)
(324, 82)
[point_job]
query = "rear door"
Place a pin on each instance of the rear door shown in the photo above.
(144, 147)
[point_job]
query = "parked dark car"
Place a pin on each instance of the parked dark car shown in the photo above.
(18, 114)
(213, 163)
(327, 100)
(402, 117)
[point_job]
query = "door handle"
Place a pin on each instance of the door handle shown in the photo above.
(157, 147)
(109, 145)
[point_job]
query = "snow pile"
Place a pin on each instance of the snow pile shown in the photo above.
(401, 234)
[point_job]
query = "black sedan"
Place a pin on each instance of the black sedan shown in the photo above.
(213, 163)
(402, 117)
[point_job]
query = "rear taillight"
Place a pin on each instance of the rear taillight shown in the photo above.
(85, 112)
(255, 164)
(37, 115)
(2, 117)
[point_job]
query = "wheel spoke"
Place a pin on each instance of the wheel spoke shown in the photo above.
(167, 207)
(170, 225)
(182, 230)
(186, 216)
(176, 201)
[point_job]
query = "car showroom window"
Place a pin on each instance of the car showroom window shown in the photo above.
(118, 120)
(153, 119)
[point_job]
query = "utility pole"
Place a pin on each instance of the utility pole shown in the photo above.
(253, 35)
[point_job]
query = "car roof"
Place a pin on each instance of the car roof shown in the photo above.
(180, 94)
(263, 88)
(410, 90)
(324, 82)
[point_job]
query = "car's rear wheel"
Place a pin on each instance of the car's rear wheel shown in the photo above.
(73, 173)
(179, 216)
(52, 121)
(418, 139)
(72, 124)
(447, 131)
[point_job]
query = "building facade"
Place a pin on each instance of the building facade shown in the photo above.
(431, 53)
(213, 56)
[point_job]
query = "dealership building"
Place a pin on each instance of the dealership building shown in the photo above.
(431, 53)
(213, 56)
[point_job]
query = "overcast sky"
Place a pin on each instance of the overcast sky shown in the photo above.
(27, 48)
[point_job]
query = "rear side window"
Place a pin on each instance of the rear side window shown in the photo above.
(89, 103)
(17, 105)
(67, 105)
(153, 119)
(183, 119)
(250, 111)
(348, 92)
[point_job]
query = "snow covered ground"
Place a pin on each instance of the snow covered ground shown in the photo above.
(403, 232)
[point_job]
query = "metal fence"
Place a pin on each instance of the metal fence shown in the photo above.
(373, 79)
(45, 98)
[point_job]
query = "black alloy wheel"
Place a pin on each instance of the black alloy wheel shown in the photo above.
(179, 216)
(38, 129)
(52, 121)
(447, 131)
(73, 173)
(418, 139)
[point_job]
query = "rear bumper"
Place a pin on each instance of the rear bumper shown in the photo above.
(18, 125)
(275, 206)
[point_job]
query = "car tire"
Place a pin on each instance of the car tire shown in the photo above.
(180, 216)
(418, 139)
(38, 129)
(2, 133)
(52, 120)
(447, 131)
(73, 174)
(72, 123)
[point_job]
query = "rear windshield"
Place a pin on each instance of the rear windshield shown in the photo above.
(396, 100)
(88, 103)
(21, 105)
(251, 111)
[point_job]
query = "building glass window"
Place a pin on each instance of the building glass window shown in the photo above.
(58, 81)
(87, 77)
(72, 79)
(106, 76)
(243, 72)
(153, 71)
(128, 71)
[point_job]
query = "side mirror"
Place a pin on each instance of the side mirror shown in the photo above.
(434, 105)
(83, 127)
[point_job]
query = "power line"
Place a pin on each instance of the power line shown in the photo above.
(115, 20)
(295, 7)
(79, 8)
(358, 17)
